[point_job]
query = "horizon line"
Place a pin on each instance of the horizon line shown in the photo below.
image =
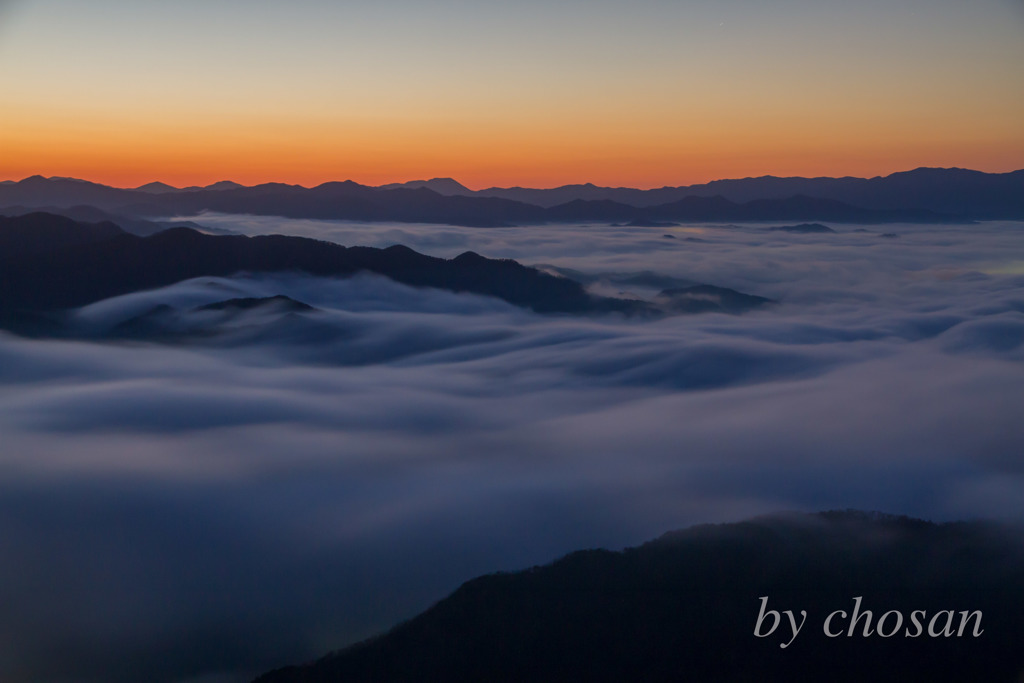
(511, 187)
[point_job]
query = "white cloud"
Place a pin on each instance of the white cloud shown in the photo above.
(258, 497)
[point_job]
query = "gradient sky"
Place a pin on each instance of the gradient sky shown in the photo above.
(642, 93)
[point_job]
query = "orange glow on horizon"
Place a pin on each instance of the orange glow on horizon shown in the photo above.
(552, 148)
(541, 159)
(131, 171)
(646, 94)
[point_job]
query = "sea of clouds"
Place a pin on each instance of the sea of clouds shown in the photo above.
(211, 507)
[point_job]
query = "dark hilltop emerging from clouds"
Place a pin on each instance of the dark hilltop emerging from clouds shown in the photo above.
(684, 608)
(52, 263)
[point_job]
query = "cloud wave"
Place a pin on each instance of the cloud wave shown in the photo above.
(290, 482)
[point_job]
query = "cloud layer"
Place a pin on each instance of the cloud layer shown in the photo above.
(264, 494)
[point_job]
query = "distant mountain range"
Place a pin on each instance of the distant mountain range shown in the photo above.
(685, 608)
(50, 263)
(90, 214)
(922, 195)
(164, 188)
(954, 191)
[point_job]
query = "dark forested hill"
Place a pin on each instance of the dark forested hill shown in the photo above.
(51, 262)
(685, 608)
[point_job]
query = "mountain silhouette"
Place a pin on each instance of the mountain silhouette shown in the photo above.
(955, 191)
(718, 208)
(49, 263)
(684, 608)
(33, 233)
(583, 210)
(219, 185)
(90, 214)
(351, 201)
(37, 191)
(157, 188)
(344, 200)
(164, 188)
(443, 186)
(922, 195)
(53, 263)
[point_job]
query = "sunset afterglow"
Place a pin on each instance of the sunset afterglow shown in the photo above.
(645, 95)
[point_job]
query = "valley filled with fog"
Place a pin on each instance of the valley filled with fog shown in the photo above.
(281, 482)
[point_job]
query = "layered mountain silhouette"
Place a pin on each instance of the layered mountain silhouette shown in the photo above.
(922, 195)
(51, 262)
(967, 193)
(685, 608)
(31, 234)
(343, 200)
(164, 188)
(445, 186)
(90, 214)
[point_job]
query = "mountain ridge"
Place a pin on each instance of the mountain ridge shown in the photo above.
(685, 606)
(919, 195)
(52, 263)
(998, 196)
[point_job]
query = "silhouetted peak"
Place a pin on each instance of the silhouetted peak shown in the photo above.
(276, 186)
(38, 180)
(338, 184)
(443, 186)
(924, 171)
(447, 186)
(224, 185)
(448, 183)
(157, 188)
(399, 253)
(467, 257)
